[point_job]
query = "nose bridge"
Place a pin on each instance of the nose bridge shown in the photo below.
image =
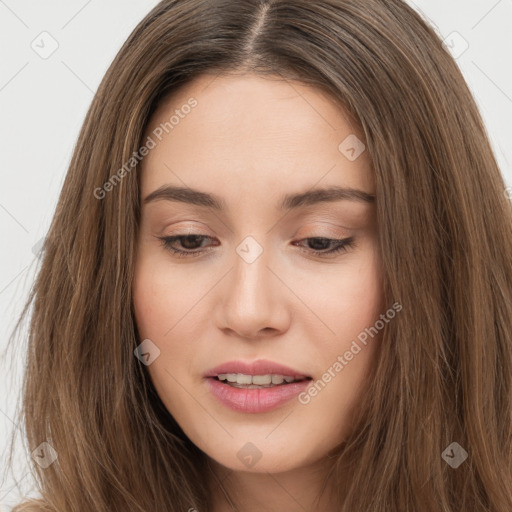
(250, 281)
(251, 299)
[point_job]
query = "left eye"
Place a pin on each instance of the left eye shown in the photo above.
(341, 245)
(190, 243)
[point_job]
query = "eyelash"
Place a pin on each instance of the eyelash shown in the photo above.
(342, 245)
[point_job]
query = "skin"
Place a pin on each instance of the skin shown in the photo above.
(250, 140)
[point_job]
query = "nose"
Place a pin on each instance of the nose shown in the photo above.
(253, 302)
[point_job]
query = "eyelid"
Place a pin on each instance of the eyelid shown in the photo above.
(179, 229)
(324, 232)
(309, 230)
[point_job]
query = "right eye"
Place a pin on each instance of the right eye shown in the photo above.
(188, 241)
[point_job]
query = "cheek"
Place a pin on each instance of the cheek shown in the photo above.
(362, 298)
(347, 297)
(157, 308)
(169, 307)
(166, 302)
(158, 294)
(146, 298)
(355, 305)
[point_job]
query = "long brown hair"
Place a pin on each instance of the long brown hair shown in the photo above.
(444, 370)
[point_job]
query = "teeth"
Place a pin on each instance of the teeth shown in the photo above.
(277, 379)
(255, 380)
(260, 379)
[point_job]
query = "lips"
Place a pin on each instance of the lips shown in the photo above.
(260, 367)
(246, 398)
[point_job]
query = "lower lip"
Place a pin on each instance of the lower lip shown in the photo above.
(255, 400)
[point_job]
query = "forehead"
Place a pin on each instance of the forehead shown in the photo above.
(247, 133)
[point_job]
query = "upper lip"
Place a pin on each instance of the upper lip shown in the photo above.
(259, 367)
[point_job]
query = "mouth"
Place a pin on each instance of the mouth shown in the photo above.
(255, 387)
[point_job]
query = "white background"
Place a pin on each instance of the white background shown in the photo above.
(43, 103)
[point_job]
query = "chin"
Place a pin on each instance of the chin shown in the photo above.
(264, 456)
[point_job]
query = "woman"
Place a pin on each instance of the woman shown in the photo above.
(279, 274)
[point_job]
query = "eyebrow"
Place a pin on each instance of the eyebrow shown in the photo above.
(288, 202)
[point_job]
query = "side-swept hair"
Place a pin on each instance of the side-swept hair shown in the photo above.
(444, 370)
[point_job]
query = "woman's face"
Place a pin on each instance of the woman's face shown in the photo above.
(258, 297)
